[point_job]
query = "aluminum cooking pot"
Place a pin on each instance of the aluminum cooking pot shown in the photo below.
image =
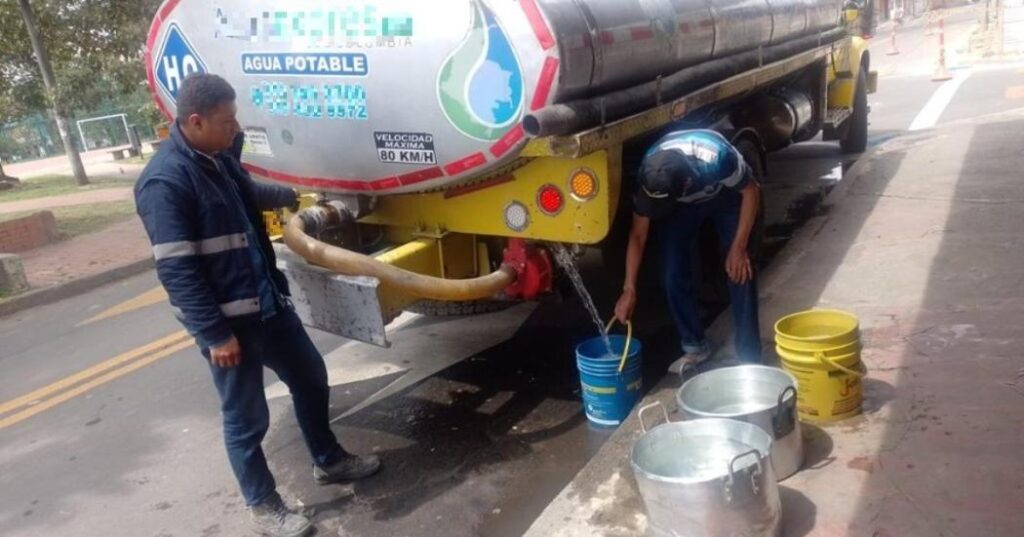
(763, 396)
(706, 478)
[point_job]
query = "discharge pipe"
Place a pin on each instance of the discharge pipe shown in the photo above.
(343, 261)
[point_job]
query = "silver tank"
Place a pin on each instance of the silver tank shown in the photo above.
(395, 96)
(610, 44)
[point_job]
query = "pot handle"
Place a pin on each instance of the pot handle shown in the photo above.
(645, 408)
(784, 415)
(730, 482)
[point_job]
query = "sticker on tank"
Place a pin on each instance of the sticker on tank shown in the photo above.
(335, 27)
(176, 60)
(480, 85)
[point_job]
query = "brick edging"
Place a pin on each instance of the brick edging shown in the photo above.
(49, 295)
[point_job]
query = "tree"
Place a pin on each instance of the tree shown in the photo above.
(19, 92)
(95, 48)
(56, 105)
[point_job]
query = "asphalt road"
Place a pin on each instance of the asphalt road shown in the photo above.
(110, 426)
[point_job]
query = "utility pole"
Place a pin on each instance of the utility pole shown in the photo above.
(52, 92)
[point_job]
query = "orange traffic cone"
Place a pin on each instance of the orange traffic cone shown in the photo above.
(941, 72)
(892, 43)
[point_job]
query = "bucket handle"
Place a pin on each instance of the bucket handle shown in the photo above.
(784, 418)
(629, 340)
(645, 408)
(730, 482)
(836, 365)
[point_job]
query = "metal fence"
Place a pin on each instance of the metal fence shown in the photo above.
(36, 137)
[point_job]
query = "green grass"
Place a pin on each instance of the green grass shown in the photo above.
(56, 185)
(82, 219)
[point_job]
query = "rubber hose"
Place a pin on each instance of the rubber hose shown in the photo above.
(409, 283)
(574, 116)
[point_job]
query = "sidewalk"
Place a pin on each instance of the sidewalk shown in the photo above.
(1013, 28)
(923, 243)
(917, 41)
(105, 195)
(87, 255)
(98, 162)
(74, 266)
(82, 263)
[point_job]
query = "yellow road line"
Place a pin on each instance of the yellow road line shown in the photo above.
(153, 296)
(85, 374)
(98, 381)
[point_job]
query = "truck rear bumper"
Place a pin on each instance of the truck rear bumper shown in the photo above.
(349, 306)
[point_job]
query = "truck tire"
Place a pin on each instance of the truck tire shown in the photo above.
(440, 308)
(856, 138)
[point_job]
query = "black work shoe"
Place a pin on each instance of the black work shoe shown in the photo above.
(273, 518)
(349, 468)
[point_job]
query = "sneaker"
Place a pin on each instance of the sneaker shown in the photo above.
(273, 518)
(688, 361)
(349, 468)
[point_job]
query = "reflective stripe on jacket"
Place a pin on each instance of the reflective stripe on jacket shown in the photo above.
(200, 227)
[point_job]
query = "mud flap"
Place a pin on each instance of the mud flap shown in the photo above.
(348, 306)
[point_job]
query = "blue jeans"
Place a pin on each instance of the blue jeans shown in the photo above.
(280, 343)
(680, 234)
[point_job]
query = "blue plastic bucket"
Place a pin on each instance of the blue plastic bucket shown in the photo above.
(608, 395)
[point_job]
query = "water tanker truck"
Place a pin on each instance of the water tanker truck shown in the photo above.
(451, 142)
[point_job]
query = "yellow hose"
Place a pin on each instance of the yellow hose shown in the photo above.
(409, 283)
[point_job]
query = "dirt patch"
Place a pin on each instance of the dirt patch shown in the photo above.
(862, 463)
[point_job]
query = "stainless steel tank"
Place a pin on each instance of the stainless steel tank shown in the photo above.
(394, 96)
(610, 44)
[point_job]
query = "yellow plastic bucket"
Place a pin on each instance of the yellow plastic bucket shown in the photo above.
(811, 349)
(817, 330)
(828, 388)
(821, 348)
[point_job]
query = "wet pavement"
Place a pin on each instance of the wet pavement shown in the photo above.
(482, 447)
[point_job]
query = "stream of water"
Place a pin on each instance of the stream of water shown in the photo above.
(565, 259)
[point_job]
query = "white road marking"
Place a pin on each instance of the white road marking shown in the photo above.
(933, 109)
(435, 344)
(421, 347)
(836, 174)
(352, 372)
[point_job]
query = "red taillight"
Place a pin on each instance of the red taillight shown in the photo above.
(550, 200)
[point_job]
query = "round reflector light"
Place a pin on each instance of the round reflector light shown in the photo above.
(583, 185)
(517, 216)
(550, 200)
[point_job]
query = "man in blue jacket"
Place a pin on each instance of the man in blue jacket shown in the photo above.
(689, 177)
(202, 212)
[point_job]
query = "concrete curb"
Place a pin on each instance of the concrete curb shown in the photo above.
(49, 295)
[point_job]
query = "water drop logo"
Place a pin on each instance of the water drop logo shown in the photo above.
(480, 85)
